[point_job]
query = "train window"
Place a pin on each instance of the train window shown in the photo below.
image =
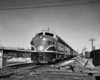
(49, 34)
(50, 43)
(39, 34)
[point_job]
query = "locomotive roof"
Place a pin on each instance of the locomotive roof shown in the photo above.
(45, 32)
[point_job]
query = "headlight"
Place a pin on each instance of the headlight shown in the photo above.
(44, 39)
(40, 48)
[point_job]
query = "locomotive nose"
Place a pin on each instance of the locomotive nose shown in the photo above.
(42, 44)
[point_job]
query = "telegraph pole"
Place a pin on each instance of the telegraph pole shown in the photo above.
(92, 42)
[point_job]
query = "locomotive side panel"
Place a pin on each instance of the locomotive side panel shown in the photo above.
(75, 53)
(63, 48)
(66, 47)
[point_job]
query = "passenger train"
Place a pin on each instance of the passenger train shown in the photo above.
(49, 47)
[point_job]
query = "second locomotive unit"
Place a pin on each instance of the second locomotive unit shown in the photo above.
(49, 47)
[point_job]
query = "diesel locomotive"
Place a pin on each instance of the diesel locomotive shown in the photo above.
(49, 47)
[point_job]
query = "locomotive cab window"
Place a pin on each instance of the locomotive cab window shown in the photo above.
(39, 34)
(50, 43)
(49, 34)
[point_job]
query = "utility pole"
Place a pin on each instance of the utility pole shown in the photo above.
(92, 42)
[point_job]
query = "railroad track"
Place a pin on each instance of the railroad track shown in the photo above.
(28, 70)
(18, 69)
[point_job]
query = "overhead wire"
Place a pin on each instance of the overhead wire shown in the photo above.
(47, 6)
(34, 2)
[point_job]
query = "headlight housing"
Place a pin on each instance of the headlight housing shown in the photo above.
(40, 48)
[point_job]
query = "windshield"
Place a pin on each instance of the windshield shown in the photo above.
(49, 34)
(39, 34)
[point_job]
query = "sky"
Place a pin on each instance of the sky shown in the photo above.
(75, 24)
